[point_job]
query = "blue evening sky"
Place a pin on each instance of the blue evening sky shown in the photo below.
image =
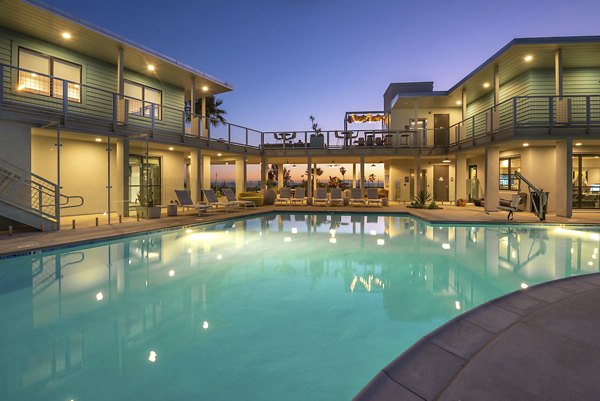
(288, 59)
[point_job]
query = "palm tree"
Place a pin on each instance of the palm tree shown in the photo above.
(213, 111)
(343, 172)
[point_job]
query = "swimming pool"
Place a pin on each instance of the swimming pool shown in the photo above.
(273, 307)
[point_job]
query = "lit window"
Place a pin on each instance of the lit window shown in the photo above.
(142, 98)
(40, 68)
(508, 166)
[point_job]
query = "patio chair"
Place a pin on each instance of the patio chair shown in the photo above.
(211, 198)
(512, 207)
(185, 201)
(373, 197)
(321, 197)
(356, 197)
(298, 197)
(232, 199)
(336, 197)
(284, 196)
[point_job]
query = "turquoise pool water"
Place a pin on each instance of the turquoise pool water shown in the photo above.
(288, 307)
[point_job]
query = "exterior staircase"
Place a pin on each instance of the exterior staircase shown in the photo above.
(30, 199)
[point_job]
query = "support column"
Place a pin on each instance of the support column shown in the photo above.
(264, 172)
(192, 94)
(196, 174)
(464, 103)
(240, 175)
(122, 177)
(563, 197)
(418, 178)
(353, 175)
(558, 73)
(496, 86)
(120, 68)
(492, 178)
(419, 136)
(362, 172)
(280, 175)
(461, 173)
(204, 125)
(205, 184)
(309, 178)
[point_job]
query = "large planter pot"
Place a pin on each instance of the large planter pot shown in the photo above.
(269, 196)
(152, 212)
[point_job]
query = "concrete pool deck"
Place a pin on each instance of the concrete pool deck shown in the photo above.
(87, 231)
(540, 343)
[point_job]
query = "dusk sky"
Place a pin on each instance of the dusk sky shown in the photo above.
(290, 59)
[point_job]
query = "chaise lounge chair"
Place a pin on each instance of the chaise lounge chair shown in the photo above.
(336, 197)
(185, 201)
(321, 197)
(232, 199)
(356, 197)
(373, 197)
(284, 196)
(298, 197)
(211, 198)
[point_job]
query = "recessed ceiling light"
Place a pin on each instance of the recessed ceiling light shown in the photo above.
(151, 67)
(219, 154)
(66, 35)
(98, 139)
(458, 102)
(205, 88)
(578, 144)
(528, 58)
(486, 84)
(525, 144)
(171, 148)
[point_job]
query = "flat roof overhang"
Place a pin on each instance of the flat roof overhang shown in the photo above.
(47, 23)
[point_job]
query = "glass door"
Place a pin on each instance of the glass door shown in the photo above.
(144, 181)
(586, 181)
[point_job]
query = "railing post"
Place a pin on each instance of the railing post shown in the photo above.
(229, 134)
(152, 110)
(40, 200)
(262, 140)
(588, 111)
(246, 136)
(57, 205)
(65, 98)
(473, 129)
(183, 120)
(514, 113)
(115, 111)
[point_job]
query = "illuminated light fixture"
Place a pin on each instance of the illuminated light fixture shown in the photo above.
(205, 325)
(152, 356)
(446, 246)
(205, 88)
(294, 230)
(486, 84)
(151, 67)
(171, 148)
(457, 305)
(171, 273)
(373, 232)
(524, 285)
(287, 239)
(525, 144)
(98, 139)
(373, 165)
(219, 257)
(219, 154)
(446, 160)
(189, 231)
(189, 156)
(578, 144)
(227, 163)
(528, 58)
(458, 102)
(66, 35)
(380, 242)
(99, 296)
(333, 240)
(293, 166)
(33, 75)
(189, 251)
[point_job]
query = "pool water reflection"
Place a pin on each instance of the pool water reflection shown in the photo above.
(274, 307)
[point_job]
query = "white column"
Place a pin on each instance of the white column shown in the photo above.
(205, 172)
(264, 169)
(563, 198)
(362, 172)
(204, 125)
(558, 72)
(496, 85)
(309, 178)
(122, 177)
(280, 175)
(196, 174)
(492, 178)
(353, 175)
(418, 177)
(240, 175)
(461, 175)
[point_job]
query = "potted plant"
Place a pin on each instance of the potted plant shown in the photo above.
(147, 208)
(316, 140)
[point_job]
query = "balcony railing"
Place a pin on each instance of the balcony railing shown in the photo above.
(529, 112)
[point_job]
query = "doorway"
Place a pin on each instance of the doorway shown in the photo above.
(441, 187)
(441, 123)
(144, 179)
(412, 184)
(473, 183)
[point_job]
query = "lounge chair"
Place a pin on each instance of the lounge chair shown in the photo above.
(321, 197)
(211, 198)
(298, 196)
(185, 201)
(512, 207)
(336, 197)
(284, 196)
(373, 197)
(356, 197)
(232, 199)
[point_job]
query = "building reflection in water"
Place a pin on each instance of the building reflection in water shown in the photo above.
(112, 309)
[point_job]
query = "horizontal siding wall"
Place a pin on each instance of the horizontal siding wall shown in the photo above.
(483, 103)
(581, 81)
(541, 82)
(5, 53)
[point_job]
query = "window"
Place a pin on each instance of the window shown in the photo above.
(508, 166)
(142, 98)
(37, 63)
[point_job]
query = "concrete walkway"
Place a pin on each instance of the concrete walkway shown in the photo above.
(541, 343)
